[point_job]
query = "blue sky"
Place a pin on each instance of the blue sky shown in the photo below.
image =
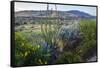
(19, 6)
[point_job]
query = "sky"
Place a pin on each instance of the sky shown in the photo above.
(20, 6)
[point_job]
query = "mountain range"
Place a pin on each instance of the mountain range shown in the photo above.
(37, 13)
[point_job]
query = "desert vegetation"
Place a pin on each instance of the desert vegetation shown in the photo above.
(54, 43)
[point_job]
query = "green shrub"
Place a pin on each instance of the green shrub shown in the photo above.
(29, 54)
(88, 33)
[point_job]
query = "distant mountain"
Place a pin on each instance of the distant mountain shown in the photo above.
(37, 13)
(31, 15)
(81, 14)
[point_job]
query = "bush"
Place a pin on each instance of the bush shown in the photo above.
(29, 54)
(88, 32)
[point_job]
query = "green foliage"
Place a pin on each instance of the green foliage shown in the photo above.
(29, 54)
(88, 33)
(68, 57)
(22, 48)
